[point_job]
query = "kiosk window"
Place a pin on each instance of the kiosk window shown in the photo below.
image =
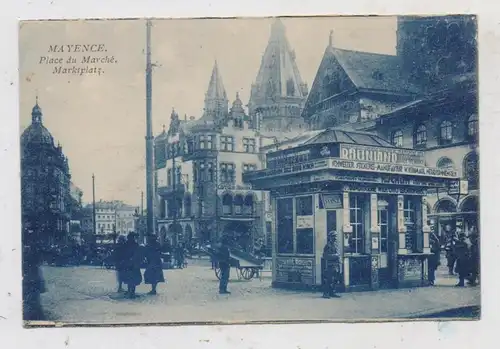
(383, 221)
(305, 234)
(357, 217)
(409, 215)
(284, 233)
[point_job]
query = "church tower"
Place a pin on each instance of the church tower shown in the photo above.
(216, 102)
(278, 93)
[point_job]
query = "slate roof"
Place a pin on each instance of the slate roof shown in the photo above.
(373, 71)
(342, 135)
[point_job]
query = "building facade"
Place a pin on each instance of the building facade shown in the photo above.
(200, 162)
(45, 185)
(424, 97)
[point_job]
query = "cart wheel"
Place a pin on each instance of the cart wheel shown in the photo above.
(217, 273)
(247, 273)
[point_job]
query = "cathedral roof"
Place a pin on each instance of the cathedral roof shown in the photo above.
(278, 75)
(36, 133)
(216, 88)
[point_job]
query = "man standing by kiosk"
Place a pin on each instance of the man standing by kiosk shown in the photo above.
(330, 265)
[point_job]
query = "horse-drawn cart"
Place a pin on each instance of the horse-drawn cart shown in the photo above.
(247, 266)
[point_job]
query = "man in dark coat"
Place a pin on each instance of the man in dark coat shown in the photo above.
(133, 259)
(462, 254)
(154, 271)
(224, 259)
(434, 258)
(119, 258)
(330, 259)
(33, 282)
(474, 257)
(450, 248)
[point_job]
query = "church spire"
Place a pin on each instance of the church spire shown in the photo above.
(216, 98)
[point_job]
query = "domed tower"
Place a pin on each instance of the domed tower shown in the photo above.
(237, 113)
(45, 185)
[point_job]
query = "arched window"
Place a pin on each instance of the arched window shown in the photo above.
(238, 204)
(445, 162)
(420, 136)
(397, 139)
(227, 204)
(248, 205)
(446, 132)
(471, 170)
(472, 126)
(445, 206)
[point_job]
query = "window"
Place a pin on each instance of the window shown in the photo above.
(290, 87)
(284, 220)
(304, 235)
(249, 145)
(227, 204)
(445, 162)
(249, 167)
(471, 170)
(248, 205)
(238, 204)
(446, 132)
(409, 217)
(356, 211)
(206, 142)
(397, 139)
(420, 137)
(227, 173)
(227, 143)
(383, 222)
(472, 126)
(187, 206)
(169, 177)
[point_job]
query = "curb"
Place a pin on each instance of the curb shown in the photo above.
(427, 313)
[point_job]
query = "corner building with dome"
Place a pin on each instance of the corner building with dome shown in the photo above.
(45, 185)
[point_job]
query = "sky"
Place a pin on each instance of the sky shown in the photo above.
(100, 120)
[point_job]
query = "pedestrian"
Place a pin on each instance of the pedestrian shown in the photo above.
(474, 257)
(450, 249)
(461, 251)
(133, 259)
(435, 258)
(179, 255)
(330, 259)
(33, 282)
(119, 258)
(224, 259)
(154, 270)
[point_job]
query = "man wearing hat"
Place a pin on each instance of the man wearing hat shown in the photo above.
(462, 255)
(224, 259)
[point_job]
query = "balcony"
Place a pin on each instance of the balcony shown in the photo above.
(180, 188)
(200, 154)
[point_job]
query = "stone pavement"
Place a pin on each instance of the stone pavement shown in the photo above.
(87, 294)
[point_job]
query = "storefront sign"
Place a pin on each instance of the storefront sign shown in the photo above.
(296, 270)
(290, 157)
(331, 201)
(386, 190)
(382, 155)
(459, 187)
(388, 168)
(412, 269)
(232, 186)
(304, 222)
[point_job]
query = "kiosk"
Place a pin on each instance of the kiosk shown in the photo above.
(372, 194)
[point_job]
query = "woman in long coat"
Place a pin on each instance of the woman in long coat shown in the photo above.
(154, 271)
(132, 266)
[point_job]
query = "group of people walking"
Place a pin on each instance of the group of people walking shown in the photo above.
(129, 258)
(462, 255)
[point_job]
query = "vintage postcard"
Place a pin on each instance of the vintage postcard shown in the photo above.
(294, 169)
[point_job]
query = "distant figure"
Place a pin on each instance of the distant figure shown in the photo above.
(132, 269)
(119, 257)
(434, 258)
(224, 259)
(450, 248)
(179, 255)
(474, 257)
(33, 282)
(462, 256)
(154, 271)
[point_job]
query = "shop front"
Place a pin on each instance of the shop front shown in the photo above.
(370, 193)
